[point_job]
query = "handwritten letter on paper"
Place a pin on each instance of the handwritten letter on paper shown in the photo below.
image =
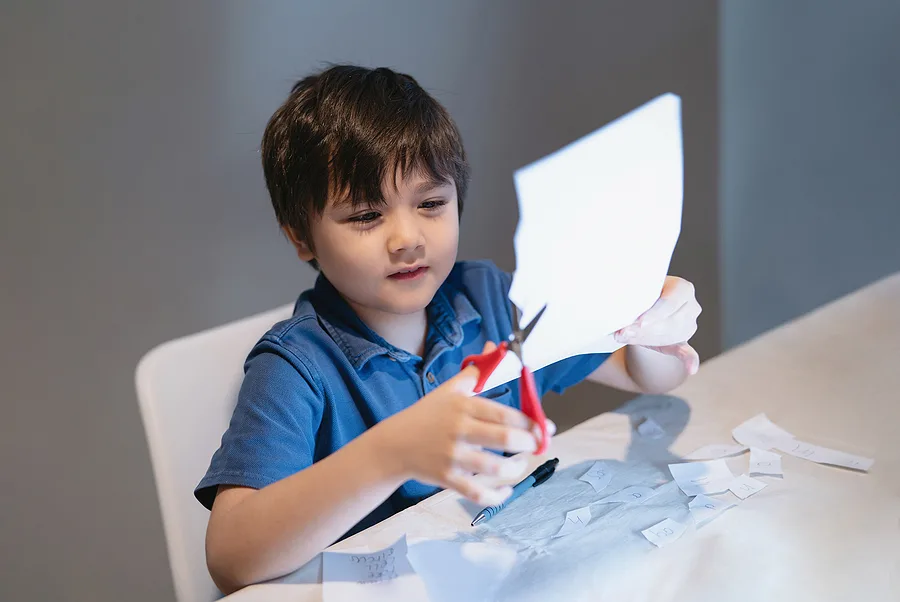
(745, 486)
(695, 478)
(630, 495)
(764, 462)
(599, 475)
(664, 533)
(576, 520)
(382, 575)
(823, 455)
(705, 508)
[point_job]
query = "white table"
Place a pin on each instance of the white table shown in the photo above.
(822, 533)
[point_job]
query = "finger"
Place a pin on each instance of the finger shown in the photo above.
(677, 328)
(488, 410)
(465, 381)
(474, 459)
(498, 436)
(479, 493)
(676, 292)
(683, 351)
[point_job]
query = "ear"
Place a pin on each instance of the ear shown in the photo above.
(304, 251)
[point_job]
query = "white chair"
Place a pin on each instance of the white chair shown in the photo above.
(187, 389)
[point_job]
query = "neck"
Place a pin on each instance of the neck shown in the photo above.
(404, 331)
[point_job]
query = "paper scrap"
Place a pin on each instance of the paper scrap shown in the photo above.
(664, 533)
(598, 475)
(572, 207)
(576, 520)
(709, 477)
(461, 571)
(744, 486)
(716, 451)
(383, 575)
(650, 429)
(704, 508)
(764, 462)
(823, 455)
(637, 494)
(760, 432)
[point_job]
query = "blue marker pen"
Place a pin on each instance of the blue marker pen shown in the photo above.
(541, 474)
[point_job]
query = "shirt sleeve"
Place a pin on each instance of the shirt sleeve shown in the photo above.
(273, 428)
(559, 376)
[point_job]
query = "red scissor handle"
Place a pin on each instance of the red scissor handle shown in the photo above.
(486, 363)
(531, 407)
(529, 399)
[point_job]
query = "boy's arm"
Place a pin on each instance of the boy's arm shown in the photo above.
(256, 535)
(657, 357)
(640, 370)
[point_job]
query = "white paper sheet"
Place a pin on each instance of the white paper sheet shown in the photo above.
(650, 429)
(598, 222)
(764, 462)
(664, 533)
(576, 520)
(709, 477)
(823, 455)
(636, 494)
(598, 475)
(760, 432)
(461, 571)
(705, 508)
(744, 486)
(716, 451)
(382, 575)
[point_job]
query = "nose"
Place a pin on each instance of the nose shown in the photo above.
(405, 234)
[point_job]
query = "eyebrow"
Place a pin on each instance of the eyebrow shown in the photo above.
(429, 185)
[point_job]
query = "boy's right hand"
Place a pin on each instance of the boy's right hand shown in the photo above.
(440, 439)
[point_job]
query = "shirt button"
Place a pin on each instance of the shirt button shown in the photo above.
(430, 377)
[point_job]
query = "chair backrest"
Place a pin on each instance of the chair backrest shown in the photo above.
(187, 389)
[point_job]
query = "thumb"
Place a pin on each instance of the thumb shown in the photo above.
(465, 381)
(683, 351)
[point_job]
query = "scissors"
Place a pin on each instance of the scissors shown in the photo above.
(528, 395)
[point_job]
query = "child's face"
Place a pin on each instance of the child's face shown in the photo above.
(364, 252)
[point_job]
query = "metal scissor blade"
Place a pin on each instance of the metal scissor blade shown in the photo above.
(520, 334)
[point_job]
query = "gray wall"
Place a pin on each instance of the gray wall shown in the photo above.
(810, 186)
(133, 211)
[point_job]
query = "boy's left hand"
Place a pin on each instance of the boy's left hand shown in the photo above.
(669, 324)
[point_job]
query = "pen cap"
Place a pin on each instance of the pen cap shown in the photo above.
(544, 471)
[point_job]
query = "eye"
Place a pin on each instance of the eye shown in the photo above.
(365, 218)
(433, 204)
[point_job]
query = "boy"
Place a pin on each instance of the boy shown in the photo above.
(355, 408)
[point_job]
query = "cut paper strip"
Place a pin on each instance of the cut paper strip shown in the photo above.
(650, 429)
(705, 508)
(598, 475)
(636, 494)
(744, 486)
(760, 432)
(664, 533)
(382, 575)
(709, 477)
(764, 462)
(716, 451)
(823, 455)
(576, 520)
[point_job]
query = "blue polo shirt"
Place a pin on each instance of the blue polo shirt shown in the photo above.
(318, 380)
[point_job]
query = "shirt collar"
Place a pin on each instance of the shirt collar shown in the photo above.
(448, 311)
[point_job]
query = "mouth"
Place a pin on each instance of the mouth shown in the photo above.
(410, 273)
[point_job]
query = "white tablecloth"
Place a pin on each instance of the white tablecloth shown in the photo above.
(821, 533)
